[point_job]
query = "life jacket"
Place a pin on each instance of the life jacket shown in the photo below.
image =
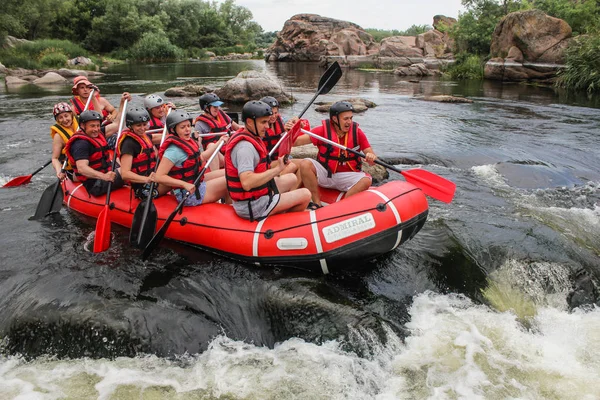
(155, 123)
(220, 124)
(100, 158)
(272, 136)
(234, 184)
(65, 134)
(330, 156)
(144, 162)
(79, 106)
(191, 166)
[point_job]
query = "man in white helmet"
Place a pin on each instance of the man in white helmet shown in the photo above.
(158, 109)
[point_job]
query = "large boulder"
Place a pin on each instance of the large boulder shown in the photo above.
(252, 85)
(400, 46)
(14, 81)
(80, 61)
(51, 78)
(524, 43)
(12, 41)
(307, 37)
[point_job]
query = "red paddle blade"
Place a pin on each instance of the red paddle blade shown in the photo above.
(102, 237)
(288, 142)
(18, 181)
(431, 184)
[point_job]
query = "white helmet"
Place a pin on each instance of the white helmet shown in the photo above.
(152, 101)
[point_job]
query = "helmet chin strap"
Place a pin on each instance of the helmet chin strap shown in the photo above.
(337, 123)
(254, 133)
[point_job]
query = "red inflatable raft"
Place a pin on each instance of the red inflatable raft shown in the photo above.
(345, 232)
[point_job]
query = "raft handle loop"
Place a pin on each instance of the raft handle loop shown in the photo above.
(269, 234)
(183, 221)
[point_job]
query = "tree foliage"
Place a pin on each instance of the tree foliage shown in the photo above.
(414, 30)
(117, 25)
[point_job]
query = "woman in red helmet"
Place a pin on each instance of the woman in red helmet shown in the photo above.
(65, 127)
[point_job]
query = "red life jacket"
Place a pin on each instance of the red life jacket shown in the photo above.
(234, 185)
(144, 162)
(79, 105)
(100, 158)
(155, 123)
(330, 157)
(220, 124)
(191, 166)
(272, 136)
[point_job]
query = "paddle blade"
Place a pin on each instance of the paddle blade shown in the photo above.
(330, 78)
(431, 184)
(102, 237)
(142, 231)
(286, 145)
(156, 239)
(50, 202)
(18, 181)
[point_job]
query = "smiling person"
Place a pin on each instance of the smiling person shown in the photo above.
(88, 152)
(65, 127)
(181, 161)
(335, 168)
(258, 191)
(81, 90)
(137, 153)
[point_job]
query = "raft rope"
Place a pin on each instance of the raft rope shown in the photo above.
(269, 232)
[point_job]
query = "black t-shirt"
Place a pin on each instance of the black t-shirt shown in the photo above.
(130, 146)
(81, 149)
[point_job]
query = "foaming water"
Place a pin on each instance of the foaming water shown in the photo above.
(457, 349)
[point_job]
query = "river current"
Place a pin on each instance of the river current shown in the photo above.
(474, 307)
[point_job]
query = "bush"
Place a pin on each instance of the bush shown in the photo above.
(155, 46)
(380, 34)
(467, 66)
(223, 51)
(53, 60)
(583, 65)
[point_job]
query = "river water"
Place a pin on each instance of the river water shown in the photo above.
(474, 307)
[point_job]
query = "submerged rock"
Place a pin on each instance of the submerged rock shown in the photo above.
(359, 104)
(188, 91)
(445, 99)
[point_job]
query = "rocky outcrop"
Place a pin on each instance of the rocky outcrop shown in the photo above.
(420, 69)
(188, 91)
(12, 41)
(15, 81)
(307, 37)
(252, 85)
(358, 104)
(445, 99)
(3, 69)
(400, 46)
(51, 78)
(528, 45)
(80, 61)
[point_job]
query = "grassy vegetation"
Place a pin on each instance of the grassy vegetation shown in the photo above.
(467, 66)
(583, 65)
(380, 34)
(46, 53)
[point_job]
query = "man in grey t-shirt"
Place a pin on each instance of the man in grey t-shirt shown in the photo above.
(248, 173)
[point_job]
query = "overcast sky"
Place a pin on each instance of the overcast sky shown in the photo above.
(380, 14)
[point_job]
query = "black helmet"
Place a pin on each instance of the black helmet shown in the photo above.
(175, 117)
(89, 115)
(255, 109)
(270, 100)
(207, 99)
(339, 107)
(135, 116)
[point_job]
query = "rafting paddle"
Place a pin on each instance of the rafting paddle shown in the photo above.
(102, 235)
(21, 180)
(51, 200)
(328, 80)
(431, 184)
(145, 216)
(163, 229)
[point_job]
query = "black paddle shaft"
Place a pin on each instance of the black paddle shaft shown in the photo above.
(326, 83)
(41, 168)
(163, 229)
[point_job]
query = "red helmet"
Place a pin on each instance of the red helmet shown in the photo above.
(61, 108)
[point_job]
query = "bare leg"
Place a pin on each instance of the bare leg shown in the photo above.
(285, 183)
(216, 189)
(209, 176)
(359, 186)
(297, 163)
(309, 179)
(296, 200)
(210, 149)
